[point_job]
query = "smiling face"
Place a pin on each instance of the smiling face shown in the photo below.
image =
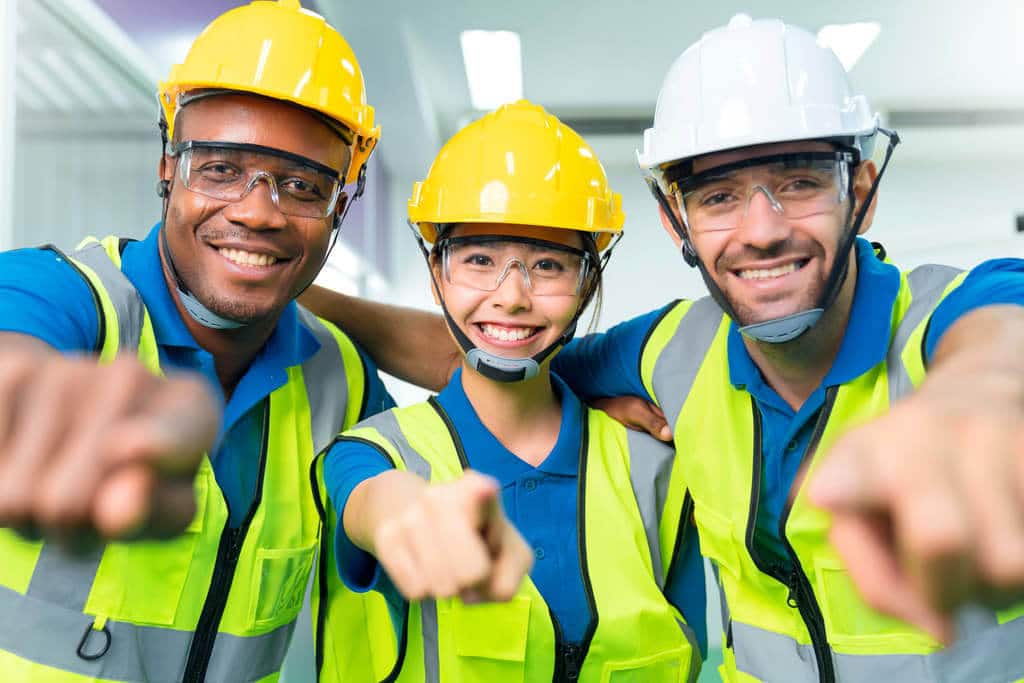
(511, 321)
(770, 266)
(246, 260)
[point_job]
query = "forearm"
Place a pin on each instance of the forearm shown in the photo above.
(374, 501)
(408, 343)
(986, 339)
(15, 342)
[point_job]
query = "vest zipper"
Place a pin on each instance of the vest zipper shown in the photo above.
(801, 594)
(231, 542)
(569, 656)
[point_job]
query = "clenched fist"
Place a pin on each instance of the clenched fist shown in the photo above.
(92, 450)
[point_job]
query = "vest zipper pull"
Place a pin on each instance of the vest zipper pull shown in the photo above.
(793, 583)
(571, 662)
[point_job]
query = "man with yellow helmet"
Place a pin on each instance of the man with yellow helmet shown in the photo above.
(264, 124)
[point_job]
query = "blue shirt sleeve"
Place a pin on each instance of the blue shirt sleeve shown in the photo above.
(348, 464)
(685, 588)
(44, 296)
(378, 399)
(608, 364)
(999, 281)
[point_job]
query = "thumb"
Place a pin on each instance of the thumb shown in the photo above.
(480, 500)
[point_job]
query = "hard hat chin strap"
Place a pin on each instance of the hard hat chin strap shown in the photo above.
(786, 328)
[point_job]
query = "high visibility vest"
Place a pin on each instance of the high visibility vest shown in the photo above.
(636, 635)
(215, 603)
(803, 620)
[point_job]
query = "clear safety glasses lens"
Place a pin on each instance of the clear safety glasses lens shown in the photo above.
(794, 186)
(483, 263)
(230, 171)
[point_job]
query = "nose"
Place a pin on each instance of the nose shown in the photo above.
(762, 223)
(257, 209)
(513, 290)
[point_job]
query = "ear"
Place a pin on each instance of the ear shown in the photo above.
(435, 269)
(667, 225)
(339, 209)
(864, 178)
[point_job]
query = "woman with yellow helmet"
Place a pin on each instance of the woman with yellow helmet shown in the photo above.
(518, 212)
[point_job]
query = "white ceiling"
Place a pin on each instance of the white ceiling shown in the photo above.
(603, 58)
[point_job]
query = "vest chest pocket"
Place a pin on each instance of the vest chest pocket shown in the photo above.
(855, 628)
(489, 640)
(279, 585)
(664, 667)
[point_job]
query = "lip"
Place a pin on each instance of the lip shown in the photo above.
(484, 340)
(254, 248)
(246, 271)
(770, 282)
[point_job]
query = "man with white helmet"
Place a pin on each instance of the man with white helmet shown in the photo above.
(759, 158)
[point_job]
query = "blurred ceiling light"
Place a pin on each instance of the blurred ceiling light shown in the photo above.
(849, 41)
(494, 67)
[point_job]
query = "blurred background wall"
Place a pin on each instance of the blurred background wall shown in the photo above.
(79, 145)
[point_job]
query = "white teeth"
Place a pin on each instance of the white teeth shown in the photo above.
(764, 274)
(507, 334)
(247, 258)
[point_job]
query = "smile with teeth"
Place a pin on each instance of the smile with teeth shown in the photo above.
(768, 273)
(247, 258)
(507, 333)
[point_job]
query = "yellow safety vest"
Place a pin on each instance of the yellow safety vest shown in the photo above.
(803, 621)
(215, 603)
(637, 635)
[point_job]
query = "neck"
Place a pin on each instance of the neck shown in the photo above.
(524, 416)
(795, 369)
(232, 350)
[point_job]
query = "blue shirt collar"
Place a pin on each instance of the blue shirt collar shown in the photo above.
(866, 341)
(290, 344)
(487, 454)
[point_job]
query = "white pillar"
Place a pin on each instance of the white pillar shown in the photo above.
(8, 58)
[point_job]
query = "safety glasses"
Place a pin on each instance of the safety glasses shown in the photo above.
(228, 171)
(483, 262)
(796, 185)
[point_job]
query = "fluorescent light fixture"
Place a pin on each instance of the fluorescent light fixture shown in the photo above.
(849, 41)
(494, 67)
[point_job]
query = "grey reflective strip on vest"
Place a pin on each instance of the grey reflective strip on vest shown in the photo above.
(62, 578)
(927, 283)
(677, 366)
(431, 660)
(50, 635)
(326, 384)
(125, 298)
(650, 468)
(989, 654)
(387, 425)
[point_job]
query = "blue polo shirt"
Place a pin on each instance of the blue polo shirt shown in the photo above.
(540, 501)
(41, 295)
(609, 365)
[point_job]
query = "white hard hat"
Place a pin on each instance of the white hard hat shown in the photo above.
(754, 82)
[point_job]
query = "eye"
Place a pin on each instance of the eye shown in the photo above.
(301, 188)
(716, 198)
(549, 266)
(220, 171)
(802, 184)
(478, 260)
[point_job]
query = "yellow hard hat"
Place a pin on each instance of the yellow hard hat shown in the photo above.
(279, 50)
(517, 165)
